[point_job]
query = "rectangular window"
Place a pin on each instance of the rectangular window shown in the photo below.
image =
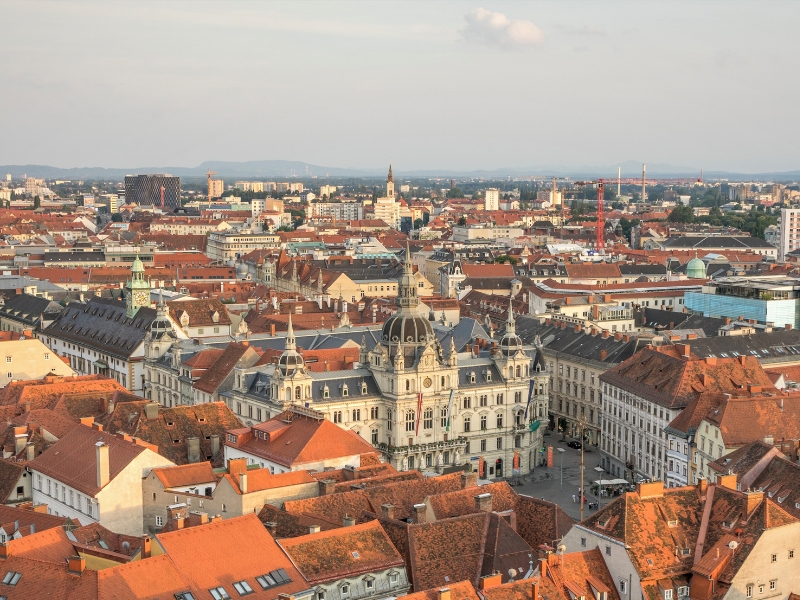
(219, 593)
(583, 542)
(623, 586)
(159, 521)
(499, 443)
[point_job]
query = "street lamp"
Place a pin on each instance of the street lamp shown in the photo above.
(561, 453)
(600, 472)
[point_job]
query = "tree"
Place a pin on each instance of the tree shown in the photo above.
(418, 224)
(455, 193)
(116, 218)
(36, 202)
(462, 221)
(681, 214)
(505, 258)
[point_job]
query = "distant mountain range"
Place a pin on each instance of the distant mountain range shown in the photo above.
(262, 169)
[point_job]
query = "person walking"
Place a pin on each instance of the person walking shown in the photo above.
(573, 498)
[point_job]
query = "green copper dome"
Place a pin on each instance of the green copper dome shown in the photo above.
(696, 269)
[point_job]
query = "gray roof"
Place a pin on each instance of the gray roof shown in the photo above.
(717, 241)
(27, 309)
(769, 348)
(650, 270)
(467, 330)
(579, 345)
(103, 325)
(82, 256)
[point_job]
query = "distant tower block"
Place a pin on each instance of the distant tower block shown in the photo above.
(492, 199)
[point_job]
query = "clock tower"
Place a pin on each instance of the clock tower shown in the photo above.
(137, 288)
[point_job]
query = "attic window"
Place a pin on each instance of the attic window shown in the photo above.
(219, 593)
(273, 579)
(673, 523)
(11, 578)
(355, 554)
(184, 596)
(345, 391)
(363, 389)
(242, 587)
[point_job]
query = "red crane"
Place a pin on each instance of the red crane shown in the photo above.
(600, 240)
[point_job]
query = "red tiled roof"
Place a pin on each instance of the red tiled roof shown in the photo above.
(223, 367)
(347, 552)
(184, 475)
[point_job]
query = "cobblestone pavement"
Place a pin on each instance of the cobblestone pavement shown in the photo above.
(561, 493)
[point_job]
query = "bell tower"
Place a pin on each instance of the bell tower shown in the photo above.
(390, 183)
(137, 288)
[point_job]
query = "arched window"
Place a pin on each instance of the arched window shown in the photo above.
(466, 423)
(484, 423)
(427, 419)
(298, 393)
(499, 420)
(467, 402)
(519, 370)
(408, 385)
(411, 418)
(389, 419)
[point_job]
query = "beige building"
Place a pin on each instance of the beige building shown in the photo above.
(217, 188)
(492, 199)
(30, 359)
(230, 245)
(240, 491)
(94, 477)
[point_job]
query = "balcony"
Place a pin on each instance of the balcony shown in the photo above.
(390, 450)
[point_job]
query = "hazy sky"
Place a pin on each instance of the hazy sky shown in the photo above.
(450, 85)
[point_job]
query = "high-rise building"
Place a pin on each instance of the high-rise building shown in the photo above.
(492, 199)
(146, 189)
(790, 232)
(217, 188)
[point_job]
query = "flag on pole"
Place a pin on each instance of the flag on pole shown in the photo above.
(532, 384)
(419, 411)
(449, 410)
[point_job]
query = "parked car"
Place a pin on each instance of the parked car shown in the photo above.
(574, 444)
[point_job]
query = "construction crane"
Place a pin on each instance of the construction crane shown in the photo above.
(209, 173)
(600, 240)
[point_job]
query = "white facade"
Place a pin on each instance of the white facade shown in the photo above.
(492, 199)
(790, 232)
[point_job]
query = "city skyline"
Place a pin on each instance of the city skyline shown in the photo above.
(456, 86)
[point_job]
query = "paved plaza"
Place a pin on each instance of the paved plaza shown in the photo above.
(561, 493)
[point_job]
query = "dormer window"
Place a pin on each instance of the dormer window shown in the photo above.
(667, 594)
(345, 391)
(326, 393)
(363, 389)
(472, 377)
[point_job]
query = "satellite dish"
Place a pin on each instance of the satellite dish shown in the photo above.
(562, 548)
(512, 572)
(733, 545)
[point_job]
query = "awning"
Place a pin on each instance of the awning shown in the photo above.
(534, 426)
(100, 364)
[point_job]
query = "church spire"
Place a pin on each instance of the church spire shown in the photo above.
(511, 324)
(291, 343)
(407, 299)
(390, 179)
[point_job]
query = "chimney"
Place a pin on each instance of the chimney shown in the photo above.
(727, 320)
(348, 521)
(193, 449)
(387, 510)
(20, 439)
(326, 487)
(30, 451)
(87, 421)
(595, 312)
(684, 350)
(214, 445)
(606, 298)
(197, 518)
(711, 361)
(617, 336)
(626, 338)
(577, 328)
(535, 591)
(469, 480)
(272, 527)
(603, 354)
(754, 389)
(26, 407)
(110, 406)
(489, 581)
(654, 489)
(419, 513)
(272, 329)
(728, 481)
(604, 334)
(788, 326)
(483, 502)
(76, 565)
(151, 410)
(101, 455)
(313, 529)
(243, 482)
(237, 465)
(97, 426)
(568, 300)
(349, 472)
(443, 594)
(702, 485)
(751, 500)
(543, 567)
(146, 546)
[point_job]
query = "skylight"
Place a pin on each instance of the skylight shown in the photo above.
(273, 579)
(11, 578)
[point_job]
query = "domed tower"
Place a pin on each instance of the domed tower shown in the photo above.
(512, 361)
(406, 333)
(161, 335)
(292, 382)
(696, 268)
(137, 289)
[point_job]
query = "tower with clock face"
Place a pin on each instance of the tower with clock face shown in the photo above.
(137, 289)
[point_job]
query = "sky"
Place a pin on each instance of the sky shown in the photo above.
(429, 85)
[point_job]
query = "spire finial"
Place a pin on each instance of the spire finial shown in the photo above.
(290, 341)
(391, 177)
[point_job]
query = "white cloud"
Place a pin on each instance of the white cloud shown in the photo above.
(496, 29)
